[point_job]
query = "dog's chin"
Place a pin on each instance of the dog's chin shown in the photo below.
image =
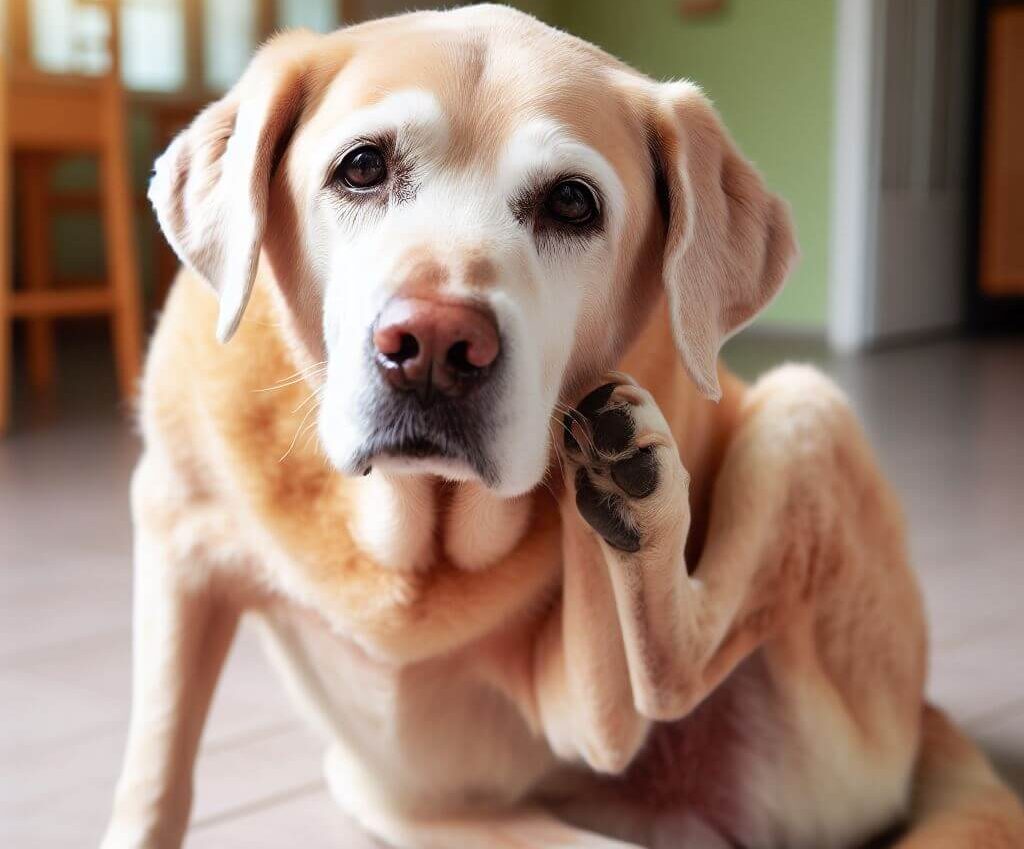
(447, 468)
(420, 455)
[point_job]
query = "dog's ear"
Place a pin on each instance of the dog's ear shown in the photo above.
(210, 188)
(729, 242)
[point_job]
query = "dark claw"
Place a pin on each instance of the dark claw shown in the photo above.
(602, 512)
(637, 475)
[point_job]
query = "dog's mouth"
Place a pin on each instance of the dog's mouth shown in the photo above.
(402, 442)
(425, 455)
(418, 448)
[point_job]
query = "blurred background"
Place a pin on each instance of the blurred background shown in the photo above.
(895, 128)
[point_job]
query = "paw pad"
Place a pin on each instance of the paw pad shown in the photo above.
(637, 475)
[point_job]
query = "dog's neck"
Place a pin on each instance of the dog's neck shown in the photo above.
(408, 522)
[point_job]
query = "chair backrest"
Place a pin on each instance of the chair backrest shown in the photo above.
(50, 108)
(85, 41)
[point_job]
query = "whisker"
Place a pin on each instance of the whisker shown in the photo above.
(309, 398)
(558, 454)
(298, 430)
(578, 417)
(312, 433)
(314, 370)
(549, 488)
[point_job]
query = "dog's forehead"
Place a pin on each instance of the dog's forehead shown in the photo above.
(488, 82)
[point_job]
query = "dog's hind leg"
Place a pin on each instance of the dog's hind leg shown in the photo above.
(958, 799)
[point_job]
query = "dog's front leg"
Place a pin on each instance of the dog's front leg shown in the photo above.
(181, 637)
(680, 632)
(580, 676)
(571, 680)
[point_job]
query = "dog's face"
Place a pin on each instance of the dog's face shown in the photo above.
(468, 215)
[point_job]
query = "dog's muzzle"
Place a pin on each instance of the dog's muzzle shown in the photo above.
(436, 390)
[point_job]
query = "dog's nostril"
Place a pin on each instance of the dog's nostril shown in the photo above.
(408, 348)
(457, 359)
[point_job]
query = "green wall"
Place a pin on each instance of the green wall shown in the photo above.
(768, 66)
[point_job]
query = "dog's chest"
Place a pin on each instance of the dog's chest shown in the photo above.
(430, 734)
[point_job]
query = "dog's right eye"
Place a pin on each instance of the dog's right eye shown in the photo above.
(363, 168)
(571, 202)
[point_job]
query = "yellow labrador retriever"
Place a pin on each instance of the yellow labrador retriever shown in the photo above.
(528, 601)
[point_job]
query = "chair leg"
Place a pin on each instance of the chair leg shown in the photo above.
(38, 272)
(122, 262)
(5, 262)
(5, 346)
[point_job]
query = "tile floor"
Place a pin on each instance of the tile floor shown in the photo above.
(947, 419)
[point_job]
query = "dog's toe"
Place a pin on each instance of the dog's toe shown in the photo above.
(583, 416)
(607, 428)
(613, 430)
(637, 475)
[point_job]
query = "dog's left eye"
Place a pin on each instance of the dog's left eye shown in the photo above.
(571, 202)
(363, 168)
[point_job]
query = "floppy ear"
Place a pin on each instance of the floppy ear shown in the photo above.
(729, 243)
(210, 187)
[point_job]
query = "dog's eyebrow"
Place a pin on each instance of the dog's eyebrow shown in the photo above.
(411, 112)
(543, 150)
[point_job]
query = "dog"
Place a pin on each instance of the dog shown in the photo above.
(539, 569)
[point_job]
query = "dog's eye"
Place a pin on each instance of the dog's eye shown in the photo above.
(363, 168)
(571, 202)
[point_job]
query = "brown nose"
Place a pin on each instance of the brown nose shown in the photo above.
(424, 345)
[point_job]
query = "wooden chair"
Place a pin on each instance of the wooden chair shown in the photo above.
(42, 116)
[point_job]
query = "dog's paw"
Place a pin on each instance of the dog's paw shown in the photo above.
(621, 462)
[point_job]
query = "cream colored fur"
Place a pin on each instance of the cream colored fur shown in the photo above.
(485, 670)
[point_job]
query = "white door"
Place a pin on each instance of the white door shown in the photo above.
(921, 229)
(902, 128)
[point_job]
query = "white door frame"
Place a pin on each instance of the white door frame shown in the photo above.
(855, 169)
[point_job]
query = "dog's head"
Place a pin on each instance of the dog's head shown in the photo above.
(468, 215)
